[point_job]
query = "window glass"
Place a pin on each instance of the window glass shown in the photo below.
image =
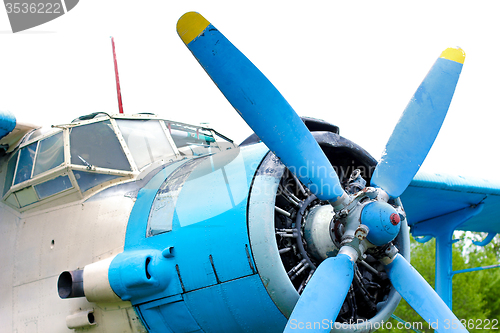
(12, 200)
(53, 186)
(163, 208)
(50, 154)
(25, 165)
(146, 140)
(11, 167)
(190, 140)
(26, 196)
(87, 180)
(39, 132)
(97, 145)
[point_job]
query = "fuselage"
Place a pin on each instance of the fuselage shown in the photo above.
(139, 224)
(68, 195)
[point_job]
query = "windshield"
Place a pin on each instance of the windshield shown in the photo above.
(192, 141)
(50, 154)
(96, 145)
(146, 140)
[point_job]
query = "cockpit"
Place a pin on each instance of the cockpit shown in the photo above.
(74, 161)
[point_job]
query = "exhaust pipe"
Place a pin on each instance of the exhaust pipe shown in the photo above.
(91, 282)
(70, 284)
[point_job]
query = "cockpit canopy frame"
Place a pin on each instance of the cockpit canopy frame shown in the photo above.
(74, 161)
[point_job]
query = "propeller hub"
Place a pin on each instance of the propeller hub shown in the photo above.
(383, 221)
(316, 233)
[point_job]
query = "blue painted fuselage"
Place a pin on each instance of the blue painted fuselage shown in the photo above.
(187, 265)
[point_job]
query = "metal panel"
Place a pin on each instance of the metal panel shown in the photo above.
(240, 305)
(443, 194)
(209, 245)
(170, 315)
(8, 226)
(218, 187)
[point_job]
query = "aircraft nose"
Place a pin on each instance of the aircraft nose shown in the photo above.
(141, 273)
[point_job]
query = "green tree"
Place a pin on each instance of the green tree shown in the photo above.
(476, 295)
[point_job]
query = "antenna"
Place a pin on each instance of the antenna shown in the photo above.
(118, 90)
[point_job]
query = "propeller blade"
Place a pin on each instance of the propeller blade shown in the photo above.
(323, 296)
(419, 125)
(421, 297)
(261, 105)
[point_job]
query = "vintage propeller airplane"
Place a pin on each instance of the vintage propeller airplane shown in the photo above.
(132, 223)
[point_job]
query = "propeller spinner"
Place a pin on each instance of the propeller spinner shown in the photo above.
(369, 218)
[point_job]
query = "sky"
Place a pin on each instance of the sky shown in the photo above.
(354, 64)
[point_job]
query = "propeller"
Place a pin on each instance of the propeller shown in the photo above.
(323, 296)
(275, 122)
(419, 125)
(421, 297)
(262, 106)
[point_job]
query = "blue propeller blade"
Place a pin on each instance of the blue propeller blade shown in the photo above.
(419, 125)
(261, 105)
(421, 297)
(322, 298)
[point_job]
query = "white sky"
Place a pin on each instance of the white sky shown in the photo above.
(355, 64)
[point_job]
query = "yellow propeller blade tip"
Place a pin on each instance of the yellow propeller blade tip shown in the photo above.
(190, 26)
(454, 53)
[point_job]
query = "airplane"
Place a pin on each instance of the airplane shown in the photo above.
(135, 223)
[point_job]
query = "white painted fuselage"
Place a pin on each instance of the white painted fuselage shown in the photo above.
(66, 199)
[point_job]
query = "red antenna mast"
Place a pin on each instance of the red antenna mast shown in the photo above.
(118, 90)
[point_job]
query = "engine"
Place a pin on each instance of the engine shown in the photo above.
(299, 221)
(229, 241)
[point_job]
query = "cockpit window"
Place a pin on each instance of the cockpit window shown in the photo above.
(87, 180)
(191, 141)
(146, 140)
(53, 186)
(163, 209)
(97, 145)
(11, 168)
(50, 154)
(25, 165)
(103, 150)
